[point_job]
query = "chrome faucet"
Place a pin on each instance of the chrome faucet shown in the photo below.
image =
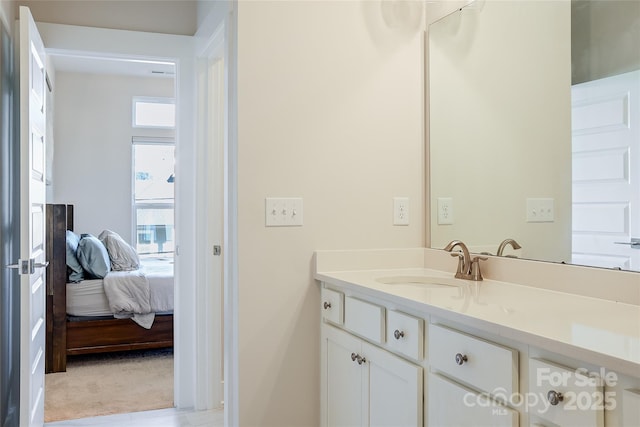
(468, 268)
(504, 244)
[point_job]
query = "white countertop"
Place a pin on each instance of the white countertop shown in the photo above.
(597, 331)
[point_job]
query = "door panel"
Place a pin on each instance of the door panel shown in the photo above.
(606, 161)
(32, 229)
(395, 389)
(344, 377)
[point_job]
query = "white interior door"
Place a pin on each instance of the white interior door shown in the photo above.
(606, 169)
(32, 221)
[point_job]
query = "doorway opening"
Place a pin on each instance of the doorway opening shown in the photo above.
(197, 380)
(99, 147)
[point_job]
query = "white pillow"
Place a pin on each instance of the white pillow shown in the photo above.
(123, 257)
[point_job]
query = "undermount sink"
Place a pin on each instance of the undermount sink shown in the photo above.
(422, 281)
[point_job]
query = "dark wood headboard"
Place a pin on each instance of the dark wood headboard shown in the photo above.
(59, 219)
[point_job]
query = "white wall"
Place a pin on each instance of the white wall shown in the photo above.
(92, 156)
(604, 37)
(330, 109)
(7, 14)
(500, 124)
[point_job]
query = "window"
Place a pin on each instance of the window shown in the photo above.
(154, 113)
(153, 189)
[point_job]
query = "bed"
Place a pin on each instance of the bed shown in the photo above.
(78, 317)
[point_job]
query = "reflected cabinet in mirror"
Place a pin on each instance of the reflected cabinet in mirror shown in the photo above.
(534, 130)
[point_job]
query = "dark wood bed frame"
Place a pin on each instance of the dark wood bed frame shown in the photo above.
(67, 336)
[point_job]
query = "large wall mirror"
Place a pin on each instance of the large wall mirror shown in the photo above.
(534, 130)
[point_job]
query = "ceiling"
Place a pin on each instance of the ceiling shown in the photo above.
(155, 16)
(99, 65)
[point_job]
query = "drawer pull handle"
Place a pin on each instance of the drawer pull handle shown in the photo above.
(357, 358)
(461, 358)
(554, 397)
(327, 305)
(398, 334)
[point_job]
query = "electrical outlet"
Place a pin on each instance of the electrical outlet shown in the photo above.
(540, 210)
(445, 210)
(283, 212)
(400, 211)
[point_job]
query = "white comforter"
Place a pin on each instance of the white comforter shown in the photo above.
(129, 295)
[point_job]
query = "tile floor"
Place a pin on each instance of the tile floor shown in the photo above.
(158, 418)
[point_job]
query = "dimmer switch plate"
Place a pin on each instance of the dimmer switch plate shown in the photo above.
(283, 211)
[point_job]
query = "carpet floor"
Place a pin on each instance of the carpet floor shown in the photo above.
(104, 384)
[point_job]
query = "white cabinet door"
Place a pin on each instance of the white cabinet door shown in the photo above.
(343, 376)
(395, 389)
(450, 404)
(364, 385)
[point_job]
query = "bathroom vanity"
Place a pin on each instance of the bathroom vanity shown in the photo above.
(407, 344)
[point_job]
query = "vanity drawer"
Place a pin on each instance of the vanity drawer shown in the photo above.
(563, 396)
(451, 404)
(332, 305)
(404, 334)
(486, 366)
(364, 319)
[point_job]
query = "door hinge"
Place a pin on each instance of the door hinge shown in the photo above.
(217, 250)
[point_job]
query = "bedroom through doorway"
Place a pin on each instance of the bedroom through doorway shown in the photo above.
(112, 158)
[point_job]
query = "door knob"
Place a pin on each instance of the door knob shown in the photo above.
(634, 243)
(27, 266)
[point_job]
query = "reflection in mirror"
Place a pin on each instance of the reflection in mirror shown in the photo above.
(534, 130)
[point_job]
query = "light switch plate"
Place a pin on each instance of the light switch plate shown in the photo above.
(400, 211)
(283, 211)
(540, 210)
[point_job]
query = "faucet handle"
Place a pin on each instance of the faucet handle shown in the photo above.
(460, 256)
(475, 267)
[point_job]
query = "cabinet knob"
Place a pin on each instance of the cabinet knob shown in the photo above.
(461, 358)
(327, 305)
(357, 358)
(554, 397)
(398, 334)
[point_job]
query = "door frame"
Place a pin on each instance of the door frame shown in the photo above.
(9, 236)
(217, 39)
(210, 217)
(100, 42)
